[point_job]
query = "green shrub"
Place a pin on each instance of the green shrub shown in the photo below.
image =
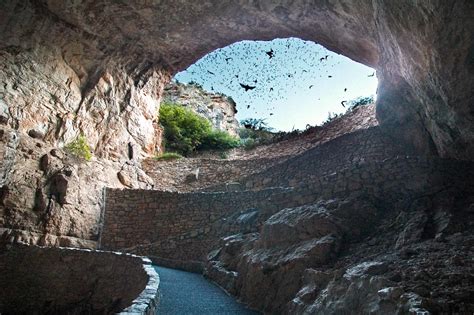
(168, 156)
(219, 140)
(248, 143)
(186, 131)
(255, 124)
(250, 138)
(223, 155)
(197, 85)
(79, 148)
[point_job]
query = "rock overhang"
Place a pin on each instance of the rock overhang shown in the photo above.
(422, 52)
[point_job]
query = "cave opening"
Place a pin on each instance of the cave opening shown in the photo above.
(289, 83)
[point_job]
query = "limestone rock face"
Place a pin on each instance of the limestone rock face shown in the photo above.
(356, 254)
(50, 197)
(43, 97)
(48, 97)
(423, 51)
(219, 109)
(267, 267)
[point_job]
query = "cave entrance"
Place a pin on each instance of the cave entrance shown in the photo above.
(287, 82)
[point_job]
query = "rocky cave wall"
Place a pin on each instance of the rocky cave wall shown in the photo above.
(381, 236)
(50, 95)
(98, 68)
(370, 246)
(423, 51)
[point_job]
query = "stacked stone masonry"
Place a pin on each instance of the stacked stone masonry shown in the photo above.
(212, 174)
(186, 226)
(72, 281)
(362, 146)
(182, 226)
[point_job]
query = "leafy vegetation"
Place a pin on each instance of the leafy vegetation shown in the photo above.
(79, 148)
(256, 132)
(224, 155)
(186, 131)
(362, 100)
(197, 85)
(218, 140)
(255, 124)
(168, 156)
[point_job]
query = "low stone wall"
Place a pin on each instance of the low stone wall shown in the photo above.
(195, 174)
(283, 163)
(38, 280)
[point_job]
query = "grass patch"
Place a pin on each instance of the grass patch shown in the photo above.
(168, 156)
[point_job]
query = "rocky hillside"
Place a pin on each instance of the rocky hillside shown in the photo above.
(219, 109)
(50, 197)
(355, 224)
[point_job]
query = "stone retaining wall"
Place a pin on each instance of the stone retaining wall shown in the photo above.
(361, 146)
(184, 227)
(38, 280)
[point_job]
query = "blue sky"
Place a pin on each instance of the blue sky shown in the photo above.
(293, 88)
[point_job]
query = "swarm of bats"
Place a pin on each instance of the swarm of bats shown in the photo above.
(260, 72)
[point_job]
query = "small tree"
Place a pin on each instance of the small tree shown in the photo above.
(256, 132)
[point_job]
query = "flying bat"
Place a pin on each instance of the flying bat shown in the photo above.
(247, 87)
(270, 53)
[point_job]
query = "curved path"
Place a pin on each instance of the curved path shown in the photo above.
(183, 293)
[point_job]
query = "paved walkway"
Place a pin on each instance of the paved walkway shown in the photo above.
(184, 293)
